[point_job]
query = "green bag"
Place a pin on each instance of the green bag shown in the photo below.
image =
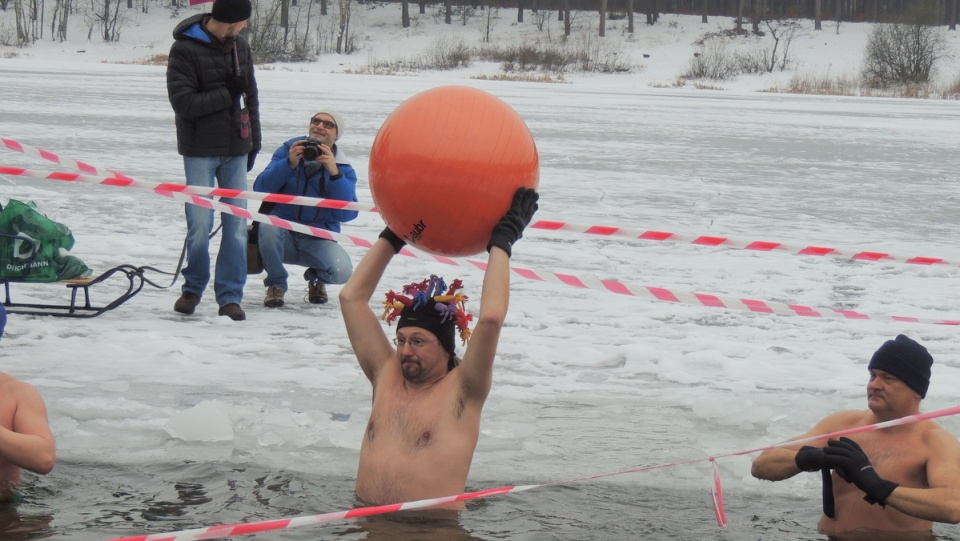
(52, 242)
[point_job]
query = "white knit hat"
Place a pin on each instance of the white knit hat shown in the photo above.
(337, 119)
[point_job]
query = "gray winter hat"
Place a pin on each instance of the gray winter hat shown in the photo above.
(337, 119)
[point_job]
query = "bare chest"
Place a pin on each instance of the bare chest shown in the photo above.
(901, 459)
(413, 421)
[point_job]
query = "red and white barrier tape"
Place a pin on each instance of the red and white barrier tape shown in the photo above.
(581, 282)
(646, 292)
(127, 182)
(214, 532)
(91, 175)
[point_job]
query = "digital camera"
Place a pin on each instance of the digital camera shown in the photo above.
(311, 149)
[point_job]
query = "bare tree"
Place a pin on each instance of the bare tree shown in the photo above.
(953, 17)
(519, 11)
(405, 13)
(782, 33)
(25, 12)
(565, 10)
(703, 11)
(109, 18)
(629, 16)
(603, 18)
(839, 14)
(740, 16)
(343, 31)
(447, 10)
(903, 53)
(489, 21)
(285, 21)
(58, 24)
(817, 21)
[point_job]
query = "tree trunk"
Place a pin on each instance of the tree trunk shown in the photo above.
(755, 19)
(817, 21)
(703, 11)
(447, 10)
(323, 7)
(423, 7)
(343, 33)
(285, 21)
(630, 16)
(405, 13)
(105, 26)
(603, 18)
(953, 19)
(519, 11)
(565, 9)
(839, 14)
(64, 17)
(740, 16)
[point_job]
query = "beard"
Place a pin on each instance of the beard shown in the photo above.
(412, 369)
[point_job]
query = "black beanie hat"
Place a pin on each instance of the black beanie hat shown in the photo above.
(907, 360)
(231, 11)
(427, 317)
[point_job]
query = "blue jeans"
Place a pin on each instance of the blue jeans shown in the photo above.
(231, 271)
(326, 261)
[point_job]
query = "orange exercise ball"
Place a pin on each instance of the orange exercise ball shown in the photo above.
(445, 165)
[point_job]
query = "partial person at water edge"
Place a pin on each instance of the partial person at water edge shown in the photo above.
(425, 419)
(309, 166)
(213, 92)
(26, 441)
(898, 479)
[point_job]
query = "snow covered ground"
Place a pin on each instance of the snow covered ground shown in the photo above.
(587, 381)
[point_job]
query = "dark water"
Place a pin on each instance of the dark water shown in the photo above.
(88, 502)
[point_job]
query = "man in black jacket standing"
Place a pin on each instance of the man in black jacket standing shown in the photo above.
(212, 89)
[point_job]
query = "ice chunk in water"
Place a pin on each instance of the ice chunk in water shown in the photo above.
(207, 421)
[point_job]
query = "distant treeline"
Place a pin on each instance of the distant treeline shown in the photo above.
(937, 11)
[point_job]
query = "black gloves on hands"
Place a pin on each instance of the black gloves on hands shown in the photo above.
(853, 466)
(236, 86)
(251, 159)
(811, 459)
(511, 226)
(391, 237)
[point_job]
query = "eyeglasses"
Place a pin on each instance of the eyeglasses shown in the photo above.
(417, 343)
(326, 123)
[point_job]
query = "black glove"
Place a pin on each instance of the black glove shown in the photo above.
(393, 239)
(236, 86)
(251, 158)
(511, 226)
(853, 466)
(811, 459)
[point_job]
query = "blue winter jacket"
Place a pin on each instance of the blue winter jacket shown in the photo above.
(279, 178)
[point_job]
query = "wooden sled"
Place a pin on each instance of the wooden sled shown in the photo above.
(133, 275)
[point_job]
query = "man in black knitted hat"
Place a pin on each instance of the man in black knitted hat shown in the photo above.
(213, 92)
(896, 479)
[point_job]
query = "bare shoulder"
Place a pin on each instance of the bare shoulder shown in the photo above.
(10, 384)
(18, 389)
(844, 419)
(935, 436)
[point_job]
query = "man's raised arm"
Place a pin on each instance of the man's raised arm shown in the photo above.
(369, 341)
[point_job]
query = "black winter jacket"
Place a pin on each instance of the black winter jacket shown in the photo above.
(208, 120)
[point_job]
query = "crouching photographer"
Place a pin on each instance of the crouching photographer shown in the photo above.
(311, 166)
